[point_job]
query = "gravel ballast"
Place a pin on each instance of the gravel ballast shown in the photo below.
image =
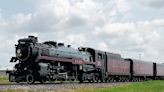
(60, 86)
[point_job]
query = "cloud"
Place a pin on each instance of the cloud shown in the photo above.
(153, 3)
(90, 23)
(60, 15)
(139, 33)
(56, 15)
(76, 39)
(103, 46)
(133, 37)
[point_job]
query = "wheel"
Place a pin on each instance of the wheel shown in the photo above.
(11, 78)
(30, 79)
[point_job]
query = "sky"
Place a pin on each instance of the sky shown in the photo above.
(131, 28)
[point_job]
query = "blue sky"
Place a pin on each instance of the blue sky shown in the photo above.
(128, 27)
(10, 7)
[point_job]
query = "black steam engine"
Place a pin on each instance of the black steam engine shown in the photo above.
(51, 61)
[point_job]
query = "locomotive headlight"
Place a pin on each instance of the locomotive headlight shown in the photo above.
(18, 50)
(19, 54)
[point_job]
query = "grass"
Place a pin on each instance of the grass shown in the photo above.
(148, 86)
(4, 80)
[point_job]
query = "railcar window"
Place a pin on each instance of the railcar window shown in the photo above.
(100, 57)
(104, 57)
(91, 58)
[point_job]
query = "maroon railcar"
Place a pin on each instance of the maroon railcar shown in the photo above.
(117, 65)
(160, 71)
(142, 68)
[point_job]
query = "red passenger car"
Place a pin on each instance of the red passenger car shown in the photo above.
(160, 71)
(141, 70)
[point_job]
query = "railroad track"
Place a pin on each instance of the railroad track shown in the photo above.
(59, 86)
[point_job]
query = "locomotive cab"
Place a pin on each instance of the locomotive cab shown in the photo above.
(90, 52)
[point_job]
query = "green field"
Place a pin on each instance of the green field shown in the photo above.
(148, 86)
(4, 80)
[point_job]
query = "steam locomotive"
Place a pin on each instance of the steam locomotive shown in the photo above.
(52, 61)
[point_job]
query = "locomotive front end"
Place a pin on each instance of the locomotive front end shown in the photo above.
(25, 49)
